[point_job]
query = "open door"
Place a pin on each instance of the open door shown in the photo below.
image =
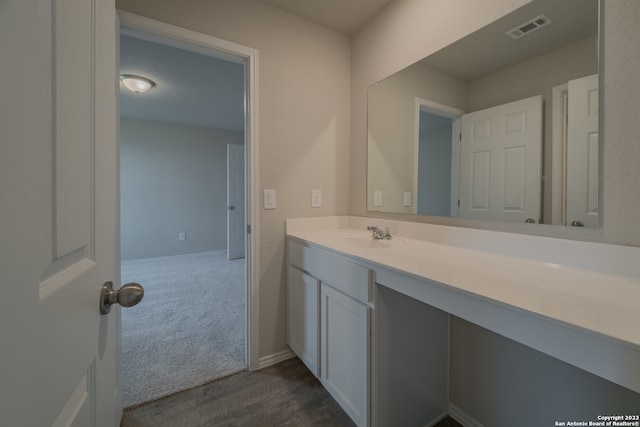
(235, 202)
(58, 216)
(501, 154)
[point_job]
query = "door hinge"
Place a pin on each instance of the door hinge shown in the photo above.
(248, 229)
(460, 137)
(458, 202)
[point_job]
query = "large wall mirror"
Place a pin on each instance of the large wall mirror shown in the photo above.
(501, 125)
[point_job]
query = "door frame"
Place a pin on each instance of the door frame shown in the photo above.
(150, 29)
(559, 114)
(424, 105)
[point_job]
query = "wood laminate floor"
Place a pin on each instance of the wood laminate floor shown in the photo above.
(286, 394)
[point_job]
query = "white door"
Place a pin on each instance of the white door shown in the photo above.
(500, 169)
(58, 213)
(582, 152)
(235, 202)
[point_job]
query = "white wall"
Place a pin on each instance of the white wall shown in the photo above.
(391, 132)
(173, 179)
(304, 123)
(620, 151)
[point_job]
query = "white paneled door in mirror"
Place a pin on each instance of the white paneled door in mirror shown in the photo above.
(59, 213)
(501, 152)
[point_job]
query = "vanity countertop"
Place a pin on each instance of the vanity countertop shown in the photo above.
(592, 286)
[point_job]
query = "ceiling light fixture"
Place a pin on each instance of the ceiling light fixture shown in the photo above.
(136, 84)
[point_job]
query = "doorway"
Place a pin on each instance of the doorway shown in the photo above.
(437, 154)
(191, 208)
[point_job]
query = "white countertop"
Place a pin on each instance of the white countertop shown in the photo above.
(592, 286)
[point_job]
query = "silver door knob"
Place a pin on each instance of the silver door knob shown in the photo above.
(577, 223)
(127, 296)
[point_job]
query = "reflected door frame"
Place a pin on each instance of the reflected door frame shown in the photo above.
(424, 105)
(560, 105)
(559, 159)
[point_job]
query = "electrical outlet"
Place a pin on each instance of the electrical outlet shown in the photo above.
(269, 199)
(182, 236)
(377, 198)
(316, 198)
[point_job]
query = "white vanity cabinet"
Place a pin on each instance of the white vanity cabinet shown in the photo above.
(329, 307)
(344, 351)
(303, 292)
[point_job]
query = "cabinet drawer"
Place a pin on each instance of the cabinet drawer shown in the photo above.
(340, 273)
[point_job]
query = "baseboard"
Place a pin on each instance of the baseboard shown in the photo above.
(437, 420)
(458, 415)
(272, 359)
(170, 257)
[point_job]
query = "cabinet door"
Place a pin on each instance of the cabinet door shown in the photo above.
(344, 342)
(303, 318)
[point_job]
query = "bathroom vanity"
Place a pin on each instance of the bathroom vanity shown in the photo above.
(371, 318)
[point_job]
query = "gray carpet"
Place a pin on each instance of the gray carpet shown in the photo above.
(189, 328)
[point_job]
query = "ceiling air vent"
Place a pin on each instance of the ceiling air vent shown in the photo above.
(528, 27)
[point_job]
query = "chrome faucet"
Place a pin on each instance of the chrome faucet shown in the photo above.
(379, 234)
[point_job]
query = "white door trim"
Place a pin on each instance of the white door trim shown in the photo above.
(559, 114)
(443, 111)
(171, 35)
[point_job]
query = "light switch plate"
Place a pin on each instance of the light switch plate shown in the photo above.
(269, 199)
(407, 198)
(377, 198)
(316, 198)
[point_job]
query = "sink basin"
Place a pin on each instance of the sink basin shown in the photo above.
(365, 242)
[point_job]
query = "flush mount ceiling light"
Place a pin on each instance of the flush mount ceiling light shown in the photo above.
(136, 84)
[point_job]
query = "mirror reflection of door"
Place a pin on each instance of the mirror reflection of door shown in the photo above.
(582, 153)
(500, 157)
(494, 172)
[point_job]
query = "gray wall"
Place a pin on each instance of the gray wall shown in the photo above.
(499, 382)
(172, 179)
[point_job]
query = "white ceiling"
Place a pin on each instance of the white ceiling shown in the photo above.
(191, 88)
(489, 49)
(345, 16)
